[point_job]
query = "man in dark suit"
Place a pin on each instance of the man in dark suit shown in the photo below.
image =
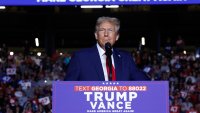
(90, 64)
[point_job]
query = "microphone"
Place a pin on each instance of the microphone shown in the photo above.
(108, 49)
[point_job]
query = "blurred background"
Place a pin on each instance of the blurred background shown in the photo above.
(73, 27)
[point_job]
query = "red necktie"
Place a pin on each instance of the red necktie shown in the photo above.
(108, 71)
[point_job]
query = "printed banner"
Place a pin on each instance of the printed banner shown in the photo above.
(11, 71)
(44, 100)
(111, 97)
(94, 2)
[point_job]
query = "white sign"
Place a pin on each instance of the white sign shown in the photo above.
(11, 71)
(44, 100)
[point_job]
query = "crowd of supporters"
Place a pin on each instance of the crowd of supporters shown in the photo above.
(26, 81)
(180, 68)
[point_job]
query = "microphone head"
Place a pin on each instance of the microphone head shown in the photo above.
(108, 48)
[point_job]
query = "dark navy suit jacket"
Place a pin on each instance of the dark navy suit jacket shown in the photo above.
(85, 65)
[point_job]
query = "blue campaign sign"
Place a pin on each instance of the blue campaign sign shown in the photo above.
(111, 97)
(94, 2)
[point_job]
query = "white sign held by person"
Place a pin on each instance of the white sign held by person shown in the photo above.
(11, 71)
(44, 100)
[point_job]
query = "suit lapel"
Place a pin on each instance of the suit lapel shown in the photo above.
(95, 59)
(118, 64)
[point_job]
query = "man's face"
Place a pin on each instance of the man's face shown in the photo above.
(106, 33)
